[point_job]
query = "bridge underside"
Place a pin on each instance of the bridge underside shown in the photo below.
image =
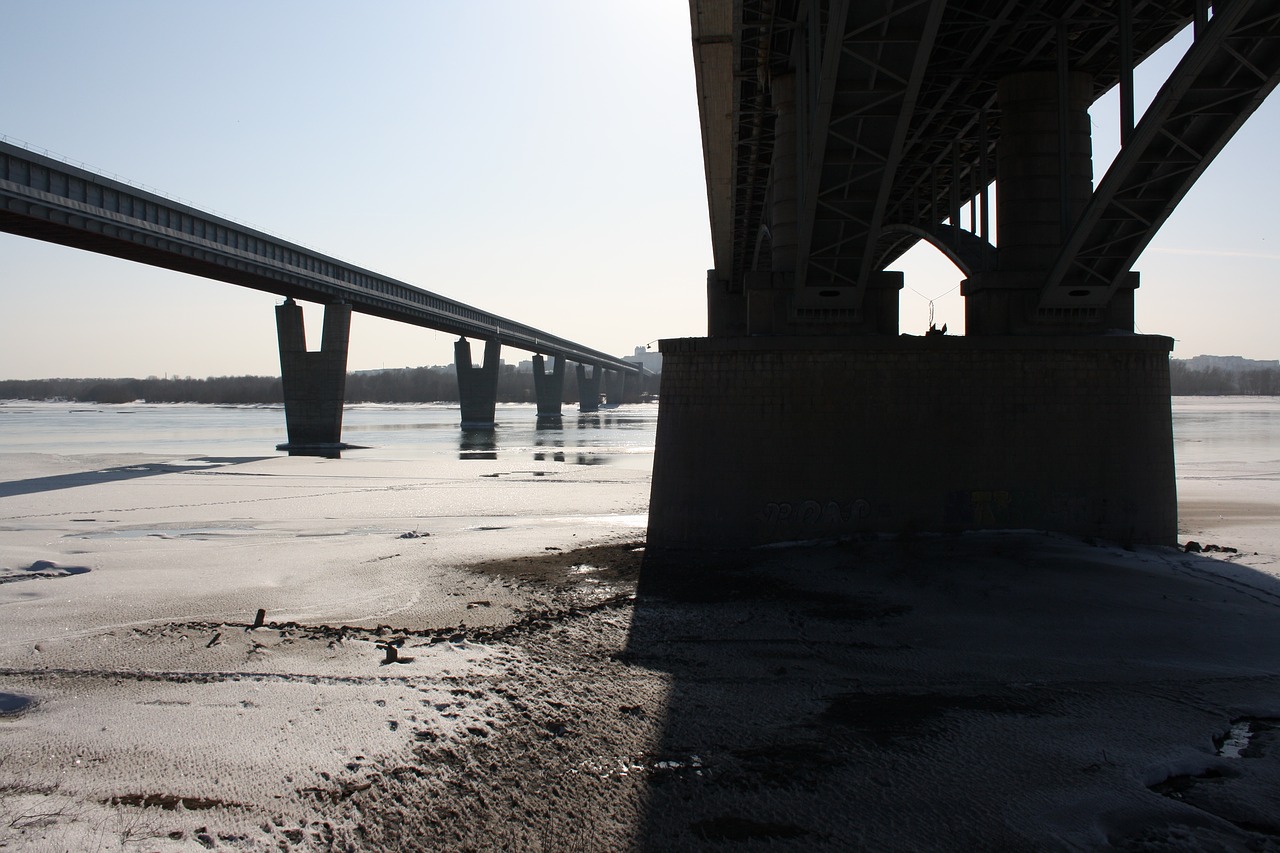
(837, 135)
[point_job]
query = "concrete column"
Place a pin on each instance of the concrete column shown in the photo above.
(549, 387)
(1045, 179)
(613, 382)
(1031, 209)
(632, 386)
(477, 386)
(589, 388)
(726, 309)
(314, 382)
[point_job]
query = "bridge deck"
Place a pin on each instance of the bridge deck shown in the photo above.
(49, 200)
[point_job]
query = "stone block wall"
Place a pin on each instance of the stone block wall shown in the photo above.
(766, 440)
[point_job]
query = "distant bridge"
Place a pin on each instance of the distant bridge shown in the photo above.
(46, 199)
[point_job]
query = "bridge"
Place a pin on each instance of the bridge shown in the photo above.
(836, 135)
(47, 199)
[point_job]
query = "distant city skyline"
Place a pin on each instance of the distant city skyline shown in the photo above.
(540, 161)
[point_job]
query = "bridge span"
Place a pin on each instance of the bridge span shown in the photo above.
(839, 133)
(47, 199)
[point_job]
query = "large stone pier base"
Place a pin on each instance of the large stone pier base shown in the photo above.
(314, 382)
(765, 440)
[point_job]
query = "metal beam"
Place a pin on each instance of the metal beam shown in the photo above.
(924, 50)
(1232, 66)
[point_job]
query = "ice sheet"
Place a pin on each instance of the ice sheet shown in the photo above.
(1015, 690)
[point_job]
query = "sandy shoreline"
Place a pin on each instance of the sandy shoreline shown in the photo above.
(997, 691)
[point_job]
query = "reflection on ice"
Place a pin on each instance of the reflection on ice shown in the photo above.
(411, 431)
(1225, 429)
(478, 444)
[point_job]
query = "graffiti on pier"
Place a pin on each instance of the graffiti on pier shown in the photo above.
(815, 516)
(979, 508)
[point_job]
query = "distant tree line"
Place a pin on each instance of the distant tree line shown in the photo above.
(216, 389)
(440, 385)
(1188, 381)
(405, 385)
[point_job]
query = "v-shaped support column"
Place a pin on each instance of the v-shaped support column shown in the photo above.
(314, 382)
(589, 388)
(477, 386)
(613, 384)
(549, 387)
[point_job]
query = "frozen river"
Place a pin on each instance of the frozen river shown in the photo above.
(384, 431)
(1212, 431)
(1227, 448)
(1030, 689)
(1209, 432)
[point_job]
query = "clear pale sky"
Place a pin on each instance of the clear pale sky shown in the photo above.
(540, 160)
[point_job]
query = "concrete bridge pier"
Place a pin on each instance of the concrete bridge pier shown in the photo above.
(614, 380)
(477, 385)
(1047, 415)
(549, 388)
(633, 386)
(764, 440)
(314, 382)
(589, 388)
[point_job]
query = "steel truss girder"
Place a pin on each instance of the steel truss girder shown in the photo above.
(849, 174)
(1229, 70)
(753, 24)
(948, 150)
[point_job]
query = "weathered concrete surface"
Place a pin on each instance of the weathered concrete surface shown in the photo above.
(589, 388)
(314, 383)
(477, 386)
(766, 440)
(613, 385)
(549, 387)
(633, 387)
